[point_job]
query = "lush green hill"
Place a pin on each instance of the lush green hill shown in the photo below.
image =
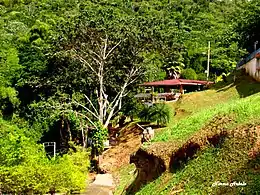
(230, 116)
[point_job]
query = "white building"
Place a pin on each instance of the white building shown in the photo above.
(251, 64)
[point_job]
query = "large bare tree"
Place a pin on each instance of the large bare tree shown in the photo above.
(96, 60)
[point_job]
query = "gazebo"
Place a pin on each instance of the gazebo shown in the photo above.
(170, 89)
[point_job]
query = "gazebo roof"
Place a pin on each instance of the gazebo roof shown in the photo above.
(173, 82)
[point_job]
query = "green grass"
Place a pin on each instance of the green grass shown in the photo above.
(227, 163)
(242, 109)
(125, 176)
(221, 93)
(230, 162)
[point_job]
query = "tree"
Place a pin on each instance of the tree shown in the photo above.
(247, 25)
(189, 73)
(97, 62)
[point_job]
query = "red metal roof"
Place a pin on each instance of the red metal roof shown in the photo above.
(173, 82)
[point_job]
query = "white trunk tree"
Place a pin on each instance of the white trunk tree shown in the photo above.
(106, 109)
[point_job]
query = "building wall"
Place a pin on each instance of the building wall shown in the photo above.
(253, 68)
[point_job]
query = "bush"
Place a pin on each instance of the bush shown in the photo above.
(145, 113)
(158, 113)
(98, 136)
(25, 168)
(202, 76)
(189, 73)
(132, 107)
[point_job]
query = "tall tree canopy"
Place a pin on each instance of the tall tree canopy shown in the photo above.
(248, 25)
(40, 40)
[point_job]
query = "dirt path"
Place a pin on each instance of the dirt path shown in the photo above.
(103, 185)
(129, 142)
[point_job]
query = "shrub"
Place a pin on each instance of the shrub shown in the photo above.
(145, 113)
(158, 113)
(98, 136)
(189, 73)
(25, 168)
(202, 76)
(132, 108)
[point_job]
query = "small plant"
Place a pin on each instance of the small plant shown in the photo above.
(98, 136)
(144, 114)
(202, 76)
(158, 113)
(132, 108)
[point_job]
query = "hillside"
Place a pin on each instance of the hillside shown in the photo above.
(214, 137)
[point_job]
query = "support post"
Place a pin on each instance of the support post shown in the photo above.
(208, 61)
(152, 94)
(54, 148)
(181, 89)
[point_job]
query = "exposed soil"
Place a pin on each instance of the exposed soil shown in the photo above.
(159, 157)
(212, 133)
(128, 142)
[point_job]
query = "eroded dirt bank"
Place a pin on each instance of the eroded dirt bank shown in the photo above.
(129, 141)
(160, 157)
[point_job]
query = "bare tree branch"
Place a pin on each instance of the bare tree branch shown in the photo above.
(91, 104)
(96, 60)
(105, 109)
(111, 50)
(87, 109)
(84, 62)
(88, 119)
(98, 56)
(105, 48)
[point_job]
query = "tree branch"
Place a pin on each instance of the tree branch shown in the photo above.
(83, 61)
(111, 50)
(87, 109)
(88, 120)
(91, 103)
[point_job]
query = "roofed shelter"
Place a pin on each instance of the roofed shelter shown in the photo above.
(172, 88)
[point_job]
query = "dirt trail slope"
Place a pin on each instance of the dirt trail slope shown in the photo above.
(129, 142)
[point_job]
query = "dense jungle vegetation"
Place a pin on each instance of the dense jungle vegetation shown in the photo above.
(72, 66)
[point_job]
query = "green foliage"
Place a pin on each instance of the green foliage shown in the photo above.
(24, 166)
(202, 76)
(40, 78)
(158, 113)
(9, 69)
(8, 95)
(189, 73)
(98, 135)
(144, 114)
(247, 25)
(132, 107)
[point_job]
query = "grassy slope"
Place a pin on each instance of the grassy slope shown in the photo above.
(199, 107)
(214, 164)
